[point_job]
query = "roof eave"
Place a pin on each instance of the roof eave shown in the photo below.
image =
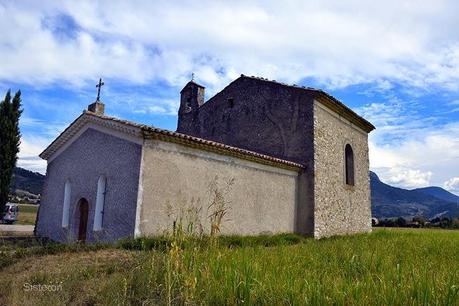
(333, 103)
(337, 106)
(88, 117)
(45, 154)
(220, 148)
(165, 135)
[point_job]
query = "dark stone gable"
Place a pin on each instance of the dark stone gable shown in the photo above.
(253, 114)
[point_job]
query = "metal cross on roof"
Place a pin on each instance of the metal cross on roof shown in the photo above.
(99, 86)
(192, 76)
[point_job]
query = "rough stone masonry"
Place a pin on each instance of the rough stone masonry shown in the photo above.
(294, 123)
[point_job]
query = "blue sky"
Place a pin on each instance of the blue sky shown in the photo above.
(395, 63)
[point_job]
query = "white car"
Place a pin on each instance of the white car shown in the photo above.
(10, 213)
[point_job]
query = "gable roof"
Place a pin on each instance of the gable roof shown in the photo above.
(150, 132)
(191, 83)
(323, 97)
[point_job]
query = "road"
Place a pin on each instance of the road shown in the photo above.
(15, 229)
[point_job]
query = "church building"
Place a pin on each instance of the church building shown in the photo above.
(260, 157)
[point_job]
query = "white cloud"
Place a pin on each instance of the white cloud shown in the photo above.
(30, 147)
(143, 103)
(337, 43)
(408, 150)
(452, 185)
(409, 178)
(151, 109)
(45, 128)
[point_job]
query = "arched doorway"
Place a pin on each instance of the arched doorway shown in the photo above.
(83, 208)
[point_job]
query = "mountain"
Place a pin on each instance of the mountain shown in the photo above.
(27, 180)
(439, 193)
(388, 201)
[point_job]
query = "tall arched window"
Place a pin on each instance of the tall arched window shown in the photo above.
(349, 164)
(66, 206)
(100, 200)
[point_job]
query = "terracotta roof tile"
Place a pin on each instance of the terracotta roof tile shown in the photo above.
(166, 135)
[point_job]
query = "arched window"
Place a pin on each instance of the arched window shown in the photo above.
(66, 206)
(349, 164)
(100, 200)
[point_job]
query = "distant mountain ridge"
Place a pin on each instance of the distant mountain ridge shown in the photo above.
(27, 180)
(440, 193)
(388, 201)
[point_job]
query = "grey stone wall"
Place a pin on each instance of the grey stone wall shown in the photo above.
(93, 154)
(339, 208)
(264, 117)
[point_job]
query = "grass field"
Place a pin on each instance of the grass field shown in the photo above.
(27, 214)
(386, 267)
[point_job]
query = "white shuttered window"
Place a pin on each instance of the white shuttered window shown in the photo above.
(66, 206)
(100, 200)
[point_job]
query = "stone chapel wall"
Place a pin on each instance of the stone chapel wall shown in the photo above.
(339, 208)
(264, 117)
(92, 155)
(178, 181)
(259, 116)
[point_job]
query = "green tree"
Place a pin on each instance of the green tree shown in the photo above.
(10, 138)
(401, 222)
(420, 219)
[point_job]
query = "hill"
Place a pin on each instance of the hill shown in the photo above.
(388, 201)
(439, 193)
(27, 181)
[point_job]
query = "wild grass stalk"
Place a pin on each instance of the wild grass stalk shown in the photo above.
(386, 267)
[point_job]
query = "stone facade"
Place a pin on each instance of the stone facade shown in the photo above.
(339, 208)
(298, 124)
(91, 155)
(179, 182)
(269, 118)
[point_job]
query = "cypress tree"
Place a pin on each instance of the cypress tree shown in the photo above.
(10, 138)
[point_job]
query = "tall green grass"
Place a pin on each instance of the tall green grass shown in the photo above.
(387, 267)
(383, 268)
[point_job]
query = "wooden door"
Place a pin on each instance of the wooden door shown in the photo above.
(82, 228)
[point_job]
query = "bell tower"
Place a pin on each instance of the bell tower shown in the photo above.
(191, 99)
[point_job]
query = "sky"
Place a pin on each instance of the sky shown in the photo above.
(396, 63)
